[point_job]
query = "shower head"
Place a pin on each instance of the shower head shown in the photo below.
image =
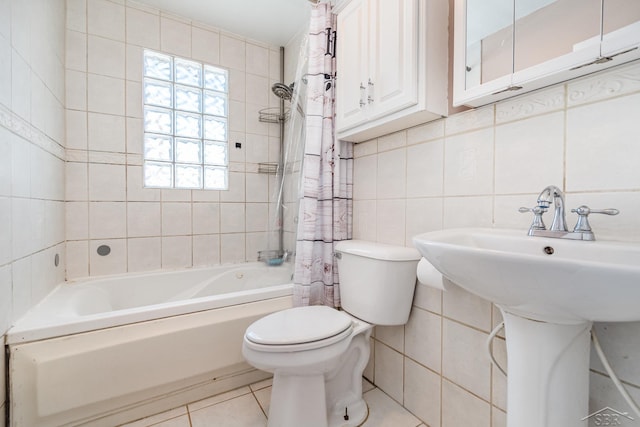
(283, 91)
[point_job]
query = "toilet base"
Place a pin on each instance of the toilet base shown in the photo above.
(357, 413)
(323, 399)
(299, 400)
(295, 398)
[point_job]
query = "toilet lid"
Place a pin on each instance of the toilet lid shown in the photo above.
(298, 325)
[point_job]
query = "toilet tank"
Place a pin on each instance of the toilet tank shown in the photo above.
(377, 280)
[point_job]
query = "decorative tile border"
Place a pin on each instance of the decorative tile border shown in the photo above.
(539, 102)
(614, 82)
(24, 129)
(469, 120)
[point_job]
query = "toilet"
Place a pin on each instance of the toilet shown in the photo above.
(317, 354)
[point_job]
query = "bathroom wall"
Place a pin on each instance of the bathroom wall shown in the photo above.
(476, 168)
(149, 229)
(32, 157)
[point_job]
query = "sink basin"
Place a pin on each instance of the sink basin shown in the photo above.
(552, 280)
(549, 291)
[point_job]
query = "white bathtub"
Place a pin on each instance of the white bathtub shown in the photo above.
(110, 350)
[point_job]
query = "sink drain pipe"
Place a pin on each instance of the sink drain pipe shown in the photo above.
(596, 345)
(492, 336)
(612, 375)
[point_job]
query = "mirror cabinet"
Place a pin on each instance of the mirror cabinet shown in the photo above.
(504, 48)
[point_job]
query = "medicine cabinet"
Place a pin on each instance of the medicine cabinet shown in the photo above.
(504, 48)
(391, 65)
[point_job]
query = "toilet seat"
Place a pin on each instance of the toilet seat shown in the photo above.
(298, 329)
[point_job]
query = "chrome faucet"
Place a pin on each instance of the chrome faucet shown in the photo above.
(555, 195)
(558, 229)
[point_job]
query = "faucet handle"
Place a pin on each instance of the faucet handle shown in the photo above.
(537, 223)
(586, 210)
(535, 209)
(583, 216)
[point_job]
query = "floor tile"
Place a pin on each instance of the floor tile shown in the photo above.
(262, 384)
(264, 398)
(385, 412)
(213, 400)
(247, 406)
(367, 386)
(242, 411)
(162, 418)
(182, 421)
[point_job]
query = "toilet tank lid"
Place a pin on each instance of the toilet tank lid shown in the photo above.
(377, 250)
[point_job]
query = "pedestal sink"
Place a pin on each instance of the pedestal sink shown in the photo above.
(549, 291)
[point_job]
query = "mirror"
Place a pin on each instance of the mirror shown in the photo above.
(504, 48)
(548, 29)
(620, 22)
(489, 44)
(544, 30)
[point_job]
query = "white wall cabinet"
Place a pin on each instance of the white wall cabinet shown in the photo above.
(391, 65)
(509, 47)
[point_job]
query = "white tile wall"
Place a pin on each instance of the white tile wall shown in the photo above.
(205, 45)
(423, 335)
(460, 408)
(391, 184)
(104, 18)
(388, 370)
(32, 168)
(144, 254)
(144, 219)
(468, 163)
(232, 52)
(176, 252)
(466, 308)
(475, 169)
(422, 392)
(114, 263)
(425, 169)
(143, 28)
(537, 140)
(105, 197)
(175, 37)
(392, 336)
(612, 133)
(463, 361)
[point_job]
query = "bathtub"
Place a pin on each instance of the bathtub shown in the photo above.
(109, 350)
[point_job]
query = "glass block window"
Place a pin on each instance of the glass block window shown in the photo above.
(186, 113)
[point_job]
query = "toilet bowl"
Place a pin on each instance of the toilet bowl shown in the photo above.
(312, 350)
(317, 354)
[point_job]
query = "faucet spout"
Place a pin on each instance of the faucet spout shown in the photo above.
(558, 229)
(555, 195)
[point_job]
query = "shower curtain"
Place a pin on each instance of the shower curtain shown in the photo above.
(326, 201)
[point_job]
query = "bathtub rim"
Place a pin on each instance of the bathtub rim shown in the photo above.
(34, 326)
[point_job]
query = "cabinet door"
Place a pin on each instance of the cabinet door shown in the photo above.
(392, 84)
(352, 54)
(513, 46)
(620, 26)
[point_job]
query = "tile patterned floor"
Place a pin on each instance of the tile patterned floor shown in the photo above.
(249, 406)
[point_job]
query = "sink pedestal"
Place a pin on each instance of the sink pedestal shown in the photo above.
(567, 283)
(548, 373)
